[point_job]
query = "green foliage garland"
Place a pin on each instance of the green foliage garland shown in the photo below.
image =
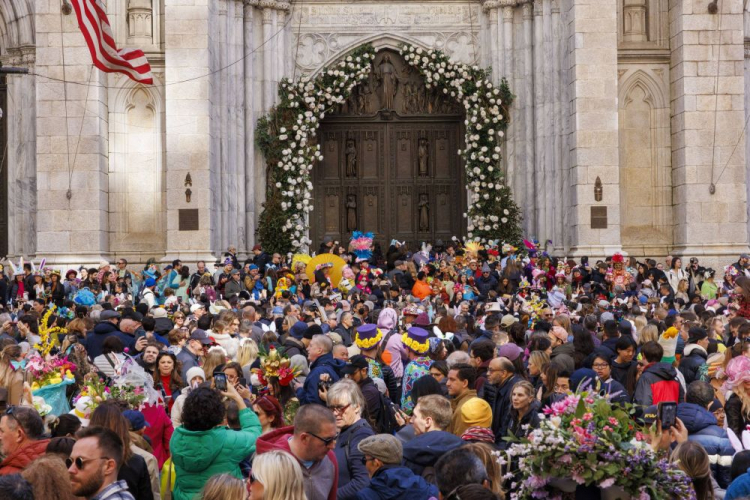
(287, 138)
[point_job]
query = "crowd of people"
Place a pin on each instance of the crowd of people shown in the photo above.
(371, 375)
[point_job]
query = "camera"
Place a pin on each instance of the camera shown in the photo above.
(324, 385)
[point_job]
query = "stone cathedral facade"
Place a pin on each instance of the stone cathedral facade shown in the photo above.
(627, 132)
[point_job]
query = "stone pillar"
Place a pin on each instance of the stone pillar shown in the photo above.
(72, 152)
(529, 164)
(189, 126)
(542, 190)
(253, 102)
(269, 61)
(512, 175)
(634, 20)
(593, 137)
(21, 157)
(708, 119)
(494, 52)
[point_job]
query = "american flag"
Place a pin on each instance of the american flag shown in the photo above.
(92, 19)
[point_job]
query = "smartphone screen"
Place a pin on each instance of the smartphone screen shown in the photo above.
(667, 414)
(220, 380)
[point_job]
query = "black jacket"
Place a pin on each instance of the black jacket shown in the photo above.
(516, 424)
(736, 420)
(135, 473)
(353, 474)
(498, 397)
(693, 358)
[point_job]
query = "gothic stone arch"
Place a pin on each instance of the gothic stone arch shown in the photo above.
(645, 162)
(389, 161)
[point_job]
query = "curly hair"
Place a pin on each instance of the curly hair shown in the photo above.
(48, 476)
(203, 410)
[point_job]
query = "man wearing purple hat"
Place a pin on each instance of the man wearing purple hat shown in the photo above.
(368, 338)
(417, 344)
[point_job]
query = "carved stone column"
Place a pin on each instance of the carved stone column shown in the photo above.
(495, 54)
(510, 147)
(542, 190)
(634, 18)
(253, 104)
(140, 22)
(285, 60)
(269, 62)
(527, 11)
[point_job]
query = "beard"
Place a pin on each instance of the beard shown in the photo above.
(90, 486)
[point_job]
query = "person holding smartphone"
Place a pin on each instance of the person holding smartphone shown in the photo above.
(203, 446)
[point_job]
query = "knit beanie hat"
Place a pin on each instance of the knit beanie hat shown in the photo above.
(668, 342)
(476, 413)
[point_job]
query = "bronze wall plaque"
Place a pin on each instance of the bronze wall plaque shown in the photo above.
(598, 217)
(189, 219)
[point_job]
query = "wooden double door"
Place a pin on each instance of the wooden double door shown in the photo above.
(400, 178)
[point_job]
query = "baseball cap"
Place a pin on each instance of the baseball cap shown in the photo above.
(136, 419)
(507, 321)
(355, 363)
(150, 282)
(201, 336)
(234, 271)
(196, 307)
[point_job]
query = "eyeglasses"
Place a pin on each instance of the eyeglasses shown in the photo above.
(81, 462)
(600, 365)
(366, 459)
(326, 441)
(339, 409)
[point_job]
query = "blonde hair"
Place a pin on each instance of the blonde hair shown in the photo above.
(224, 487)
(214, 359)
(650, 333)
(538, 359)
(247, 352)
(640, 324)
(280, 474)
(564, 321)
(486, 454)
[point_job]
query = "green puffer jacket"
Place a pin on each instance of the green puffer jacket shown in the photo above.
(198, 455)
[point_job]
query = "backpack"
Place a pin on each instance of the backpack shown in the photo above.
(385, 423)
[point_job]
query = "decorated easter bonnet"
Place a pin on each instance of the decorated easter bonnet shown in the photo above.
(368, 337)
(668, 342)
(415, 339)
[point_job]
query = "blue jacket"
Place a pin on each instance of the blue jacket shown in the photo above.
(102, 331)
(308, 393)
(353, 474)
(740, 487)
(693, 358)
(425, 450)
(703, 429)
(394, 482)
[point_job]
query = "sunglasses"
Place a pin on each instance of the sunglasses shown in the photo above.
(326, 441)
(81, 462)
(366, 459)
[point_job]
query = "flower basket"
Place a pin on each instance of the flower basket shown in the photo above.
(586, 441)
(54, 395)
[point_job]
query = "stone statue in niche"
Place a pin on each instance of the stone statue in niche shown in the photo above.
(351, 158)
(188, 180)
(424, 213)
(351, 212)
(424, 155)
(188, 194)
(598, 190)
(388, 81)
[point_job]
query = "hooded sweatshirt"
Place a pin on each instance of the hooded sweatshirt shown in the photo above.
(308, 393)
(388, 322)
(198, 455)
(320, 480)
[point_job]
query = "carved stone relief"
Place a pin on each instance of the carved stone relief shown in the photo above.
(393, 85)
(140, 21)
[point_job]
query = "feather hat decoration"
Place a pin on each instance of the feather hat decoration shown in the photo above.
(362, 243)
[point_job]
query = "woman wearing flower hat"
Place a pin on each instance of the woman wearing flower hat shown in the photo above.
(737, 408)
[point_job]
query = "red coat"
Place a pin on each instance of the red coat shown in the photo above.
(160, 431)
(22, 457)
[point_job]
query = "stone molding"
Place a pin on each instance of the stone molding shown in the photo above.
(20, 56)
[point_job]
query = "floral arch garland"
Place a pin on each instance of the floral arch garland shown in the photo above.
(286, 136)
